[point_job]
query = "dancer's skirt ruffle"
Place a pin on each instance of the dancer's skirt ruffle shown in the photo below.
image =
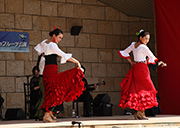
(137, 89)
(60, 87)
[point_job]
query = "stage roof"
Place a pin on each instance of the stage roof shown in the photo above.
(137, 8)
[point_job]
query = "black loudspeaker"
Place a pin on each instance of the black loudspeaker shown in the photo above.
(103, 110)
(75, 30)
(102, 106)
(15, 114)
(102, 98)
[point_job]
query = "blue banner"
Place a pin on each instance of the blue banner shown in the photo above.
(14, 42)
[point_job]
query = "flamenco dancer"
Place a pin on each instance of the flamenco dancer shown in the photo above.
(138, 91)
(58, 87)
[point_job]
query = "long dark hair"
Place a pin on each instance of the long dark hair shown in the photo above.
(56, 32)
(142, 34)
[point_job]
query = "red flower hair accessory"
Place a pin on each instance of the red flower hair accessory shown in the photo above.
(54, 27)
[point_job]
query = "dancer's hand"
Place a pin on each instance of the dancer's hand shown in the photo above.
(132, 63)
(78, 65)
(162, 64)
(75, 61)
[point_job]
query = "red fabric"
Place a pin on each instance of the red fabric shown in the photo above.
(150, 62)
(59, 87)
(123, 56)
(137, 89)
(167, 19)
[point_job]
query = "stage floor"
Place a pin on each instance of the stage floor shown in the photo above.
(122, 121)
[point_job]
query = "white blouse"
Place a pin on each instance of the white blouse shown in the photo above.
(41, 65)
(139, 53)
(52, 48)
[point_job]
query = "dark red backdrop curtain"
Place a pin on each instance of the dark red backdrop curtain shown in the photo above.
(167, 19)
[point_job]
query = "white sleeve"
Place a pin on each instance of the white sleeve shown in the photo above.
(64, 56)
(125, 53)
(41, 65)
(40, 47)
(150, 55)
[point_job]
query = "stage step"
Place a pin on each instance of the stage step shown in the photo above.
(162, 121)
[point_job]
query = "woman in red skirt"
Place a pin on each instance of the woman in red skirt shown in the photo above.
(138, 91)
(58, 87)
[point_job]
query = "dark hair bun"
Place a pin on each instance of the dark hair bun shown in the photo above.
(55, 31)
(51, 33)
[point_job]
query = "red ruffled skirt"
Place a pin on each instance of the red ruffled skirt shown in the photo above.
(137, 89)
(59, 87)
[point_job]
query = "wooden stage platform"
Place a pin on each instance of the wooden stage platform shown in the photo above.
(122, 121)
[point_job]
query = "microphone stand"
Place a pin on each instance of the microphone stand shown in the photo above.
(74, 122)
